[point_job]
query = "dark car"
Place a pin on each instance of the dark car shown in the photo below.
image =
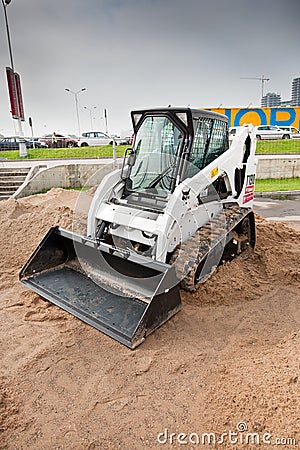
(61, 141)
(12, 143)
(35, 143)
(125, 140)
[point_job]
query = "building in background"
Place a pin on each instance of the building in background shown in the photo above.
(273, 110)
(296, 92)
(286, 103)
(271, 99)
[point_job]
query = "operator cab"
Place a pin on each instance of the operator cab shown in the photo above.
(170, 145)
(158, 143)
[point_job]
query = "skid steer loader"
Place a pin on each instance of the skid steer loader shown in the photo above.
(180, 205)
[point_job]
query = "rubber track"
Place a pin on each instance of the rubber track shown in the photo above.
(193, 251)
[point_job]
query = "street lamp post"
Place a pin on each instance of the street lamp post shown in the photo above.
(90, 110)
(76, 104)
(22, 145)
(106, 123)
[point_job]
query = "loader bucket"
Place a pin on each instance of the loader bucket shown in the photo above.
(126, 297)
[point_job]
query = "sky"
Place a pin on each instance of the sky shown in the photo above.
(133, 54)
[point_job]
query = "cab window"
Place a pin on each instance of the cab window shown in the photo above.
(200, 145)
(218, 143)
(211, 140)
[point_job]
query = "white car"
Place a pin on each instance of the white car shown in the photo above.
(271, 132)
(294, 132)
(94, 138)
(232, 131)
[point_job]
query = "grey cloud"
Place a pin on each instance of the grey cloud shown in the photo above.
(138, 53)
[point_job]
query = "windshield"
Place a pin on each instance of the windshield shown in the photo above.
(156, 145)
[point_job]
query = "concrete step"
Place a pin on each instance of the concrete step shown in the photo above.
(15, 169)
(13, 173)
(12, 182)
(8, 192)
(11, 179)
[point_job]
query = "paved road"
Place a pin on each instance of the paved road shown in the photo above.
(279, 210)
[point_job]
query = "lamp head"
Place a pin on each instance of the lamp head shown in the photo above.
(7, 2)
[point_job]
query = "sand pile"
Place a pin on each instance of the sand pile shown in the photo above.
(230, 356)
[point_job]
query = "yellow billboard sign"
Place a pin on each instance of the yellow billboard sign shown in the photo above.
(261, 116)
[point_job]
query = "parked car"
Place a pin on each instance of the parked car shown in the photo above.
(61, 141)
(12, 143)
(232, 131)
(125, 140)
(37, 144)
(118, 140)
(294, 132)
(121, 140)
(271, 132)
(93, 138)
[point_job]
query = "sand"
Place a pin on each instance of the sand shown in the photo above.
(229, 361)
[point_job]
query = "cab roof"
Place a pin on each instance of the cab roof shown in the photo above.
(192, 114)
